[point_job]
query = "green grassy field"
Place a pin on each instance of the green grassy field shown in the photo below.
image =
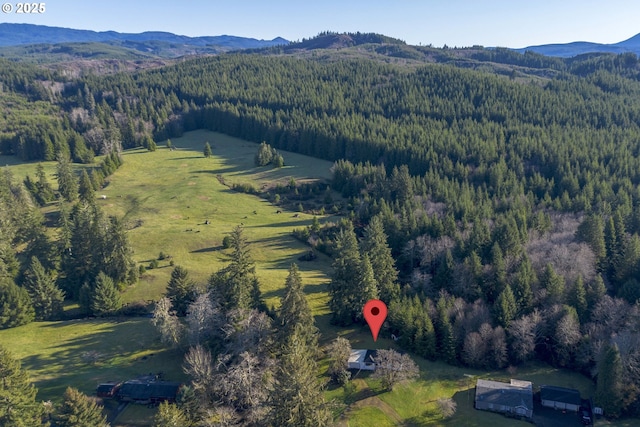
(58, 354)
(172, 193)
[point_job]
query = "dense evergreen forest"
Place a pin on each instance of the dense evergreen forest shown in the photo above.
(496, 213)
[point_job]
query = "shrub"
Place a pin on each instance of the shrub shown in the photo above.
(226, 242)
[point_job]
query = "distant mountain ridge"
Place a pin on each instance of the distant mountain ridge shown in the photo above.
(26, 34)
(567, 50)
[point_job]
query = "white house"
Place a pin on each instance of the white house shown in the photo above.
(362, 360)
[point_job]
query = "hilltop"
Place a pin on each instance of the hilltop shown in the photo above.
(26, 39)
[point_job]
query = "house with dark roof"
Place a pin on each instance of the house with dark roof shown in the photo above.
(514, 398)
(567, 399)
(108, 390)
(148, 392)
(362, 360)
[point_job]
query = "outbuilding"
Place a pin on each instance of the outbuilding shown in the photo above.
(148, 392)
(567, 399)
(515, 397)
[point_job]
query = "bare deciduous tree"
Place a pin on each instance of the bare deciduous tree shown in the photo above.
(447, 407)
(248, 330)
(168, 324)
(245, 386)
(474, 350)
(198, 365)
(523, 335)
(203, 319)
(393, 368)
(566, 337)
(569, 257)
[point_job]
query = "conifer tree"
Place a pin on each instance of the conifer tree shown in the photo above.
(67, 180)
(106, 299)
(554, 284)
(591, 230)
(367, 289)
(181, 290)
(578, 299)
(425, 337)
(207, 150)
(444, 333)
(117, 253)
(498, 278)
(505, 307)
(236, 285)
(344, 280)
(45, 192)
(79, 410)
(523, 282)
(376, 247)
(608, 387)
(595, 291)
(294, 310)
(45, 295)
(86, 191)
(18, 406)
(298, 399)
(170, 415)
(16, 308)
(264, 156)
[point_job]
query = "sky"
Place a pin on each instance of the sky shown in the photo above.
(506, 23)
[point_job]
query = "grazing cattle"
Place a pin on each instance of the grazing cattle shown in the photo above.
(278, 211)
(296, 215)
(206, 222)
(103, 197)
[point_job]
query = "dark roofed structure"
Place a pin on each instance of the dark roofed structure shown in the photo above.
(108, 390)
(560, 398)
(515, 397)
(146, 392)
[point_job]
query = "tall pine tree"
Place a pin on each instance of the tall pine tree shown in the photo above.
(344, 280)
(79, 410)
(181, 290)
(106, 299)
(298, 399)
(236, 285)
(46, 296)
(16, 308)
(18, 406)
(294, 310)
(608, 387)
(377, 249)
(67, 180)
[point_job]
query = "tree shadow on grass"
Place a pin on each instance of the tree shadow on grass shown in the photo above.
(92, 351)
(206, 250)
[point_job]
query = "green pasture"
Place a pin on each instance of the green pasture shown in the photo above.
(167, 196)
(83, 353)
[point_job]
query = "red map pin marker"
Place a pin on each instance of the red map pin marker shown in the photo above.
(375, 311)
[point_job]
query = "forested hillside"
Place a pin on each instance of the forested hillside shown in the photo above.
(510, 204)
